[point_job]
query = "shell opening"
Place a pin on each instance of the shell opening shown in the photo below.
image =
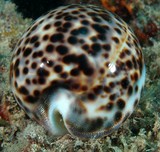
(59, 123)
(58, 111)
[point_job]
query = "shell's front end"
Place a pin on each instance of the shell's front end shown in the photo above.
(79, 70)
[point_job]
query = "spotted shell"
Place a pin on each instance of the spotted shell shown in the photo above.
(78, 70)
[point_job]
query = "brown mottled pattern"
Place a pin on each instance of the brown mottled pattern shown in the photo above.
(87, 51)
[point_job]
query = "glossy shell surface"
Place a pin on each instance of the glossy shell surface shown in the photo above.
(79, 70)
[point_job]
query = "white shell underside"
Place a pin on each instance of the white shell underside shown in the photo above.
(60, 108)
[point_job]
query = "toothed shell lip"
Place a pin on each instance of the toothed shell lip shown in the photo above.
(78, 70)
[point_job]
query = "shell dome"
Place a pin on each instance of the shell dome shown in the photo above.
(79, 70)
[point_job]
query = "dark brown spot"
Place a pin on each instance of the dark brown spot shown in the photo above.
(91, 96)
(88, 71)
(27, 62)
(34, 27)
(72, 40)
(63, 30)
(41, 80)
(67, 25)
(34, 39)
(16, 64)
(118, 116)
(112, 97)
(98, 89)
(81, 41)
(23, 90)
(36, 93)
(61, 49)
(75, 12)
(85, 22)
(40, 53)
(96, 48)
(83, 30)
(121, 104)
(134, 62)
(125, 83)
(34, 65)
(16, 85)
(84, 65)
(42, 72)
(58, 23)
(59, 17)
(50, 16)
(106, 17)
(112, 84)
(102, 71)
(27, 41)
(93, 38)
(96, 19)
(102, 37)
(99, 28)
(136, 102)
(74, 86)
(129, 44)
(58, 68)
(56, 37)
(50, 48)
(122, 55)
(106, 55)
(130, 90)
(18, 51)
(71, 58)
(109, 106)
(106, 47)
(44, 60)
(45, 37)
(34, 55)
(27, 52)
(31, 99)
(92, 14)
(127, 52)
(50, 63)
(84, 88)
(46, 27)
(74, 32)
(75, 72)
(140, 63)
(64, 75)
(37, 44)
(25, 70)
(129, 64)
(69, 18)
(107, 89)
(85, 47)
(82, 16)
(28, 81)
(135, 76)
(115, 39)
(118, 31)
(34, 81)
(136, 88)
(17, 72)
